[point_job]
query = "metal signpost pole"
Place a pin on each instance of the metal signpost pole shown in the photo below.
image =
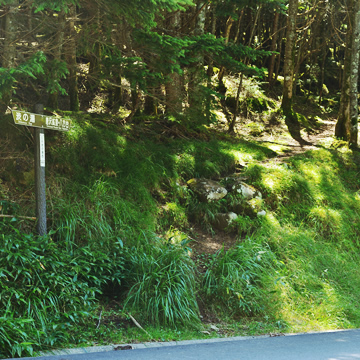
(40, 189)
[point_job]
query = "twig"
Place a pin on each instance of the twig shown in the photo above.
(98, 324)
(18, 217)
(138, 325)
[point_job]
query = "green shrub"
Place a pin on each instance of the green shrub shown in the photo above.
(235, 277)
(97, 216)
(48, 288)
(162, 283)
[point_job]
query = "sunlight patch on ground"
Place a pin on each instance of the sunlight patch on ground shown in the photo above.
(278, 148)
(240, 157)
(312, 172)
(326, 142)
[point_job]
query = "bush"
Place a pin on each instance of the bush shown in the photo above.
(45, 289)
(234, 277)
(163, 284)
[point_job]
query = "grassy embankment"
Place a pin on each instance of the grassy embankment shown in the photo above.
(122, 220)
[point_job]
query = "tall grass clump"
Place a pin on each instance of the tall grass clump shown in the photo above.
(45, 289)
(162, 284)
(98, 215)
(236, 277)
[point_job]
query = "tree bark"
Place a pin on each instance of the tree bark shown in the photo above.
(173, 87)
(58, 47)
(71, 61)
(195, 94)
(9, 49)
(274, 37)
(347, 124)
(289, 58)
(286, 105)
(229, 24)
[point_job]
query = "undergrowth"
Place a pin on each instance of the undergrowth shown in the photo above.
(121, 215)
(45, 290)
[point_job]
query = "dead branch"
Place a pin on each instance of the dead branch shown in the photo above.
(138, 325)
(18, 217)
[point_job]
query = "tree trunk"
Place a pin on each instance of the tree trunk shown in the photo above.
(210, 70)
(59, 42)
(347, 124)
(95, 58)
(274, 37)
(195, 94)
(238, 28)
(173, 87)
(289, 58)
(229, 24)
(279, 56)
(286, 105)
(71, 61)
(9, 49)
(231, 128)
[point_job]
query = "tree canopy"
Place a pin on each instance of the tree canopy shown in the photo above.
(72, 49)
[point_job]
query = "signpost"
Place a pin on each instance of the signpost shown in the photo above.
(40, 122)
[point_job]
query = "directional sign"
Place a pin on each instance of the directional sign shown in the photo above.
(41, 121)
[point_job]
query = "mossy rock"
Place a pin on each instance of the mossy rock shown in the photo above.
(248, 208)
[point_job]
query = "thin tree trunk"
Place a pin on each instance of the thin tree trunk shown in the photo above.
(71, 61)
(195, 95)
(233, 121)
(58, 47)
(238, 26)
(274, 37)
(95, 59)
(321, 85)
(210, 70)
(279, 56)
(173, 87)
(289, 58)
(9, 49)
(229, 24)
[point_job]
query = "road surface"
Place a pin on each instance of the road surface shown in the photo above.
(339, 345)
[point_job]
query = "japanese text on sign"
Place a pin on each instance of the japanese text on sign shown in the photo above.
(41, 121)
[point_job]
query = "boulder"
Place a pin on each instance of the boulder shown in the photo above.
(237, 185)
(207, 190)
(246, 191)
(248, 207)
(223, 220)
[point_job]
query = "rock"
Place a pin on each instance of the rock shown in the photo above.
(247, 208)
(261, 213)
(237, 185)
(214, 328)
(205, 332)
(223, 220)
(207, 190)
(246, 191)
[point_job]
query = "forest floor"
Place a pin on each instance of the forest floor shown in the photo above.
(277, 135)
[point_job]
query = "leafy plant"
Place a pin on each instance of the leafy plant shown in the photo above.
(33, 67)
(162, 281)
(48, 288)
(234, 277)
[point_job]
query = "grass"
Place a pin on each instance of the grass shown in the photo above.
(122, 215)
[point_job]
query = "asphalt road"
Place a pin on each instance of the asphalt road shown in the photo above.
(340, 345)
